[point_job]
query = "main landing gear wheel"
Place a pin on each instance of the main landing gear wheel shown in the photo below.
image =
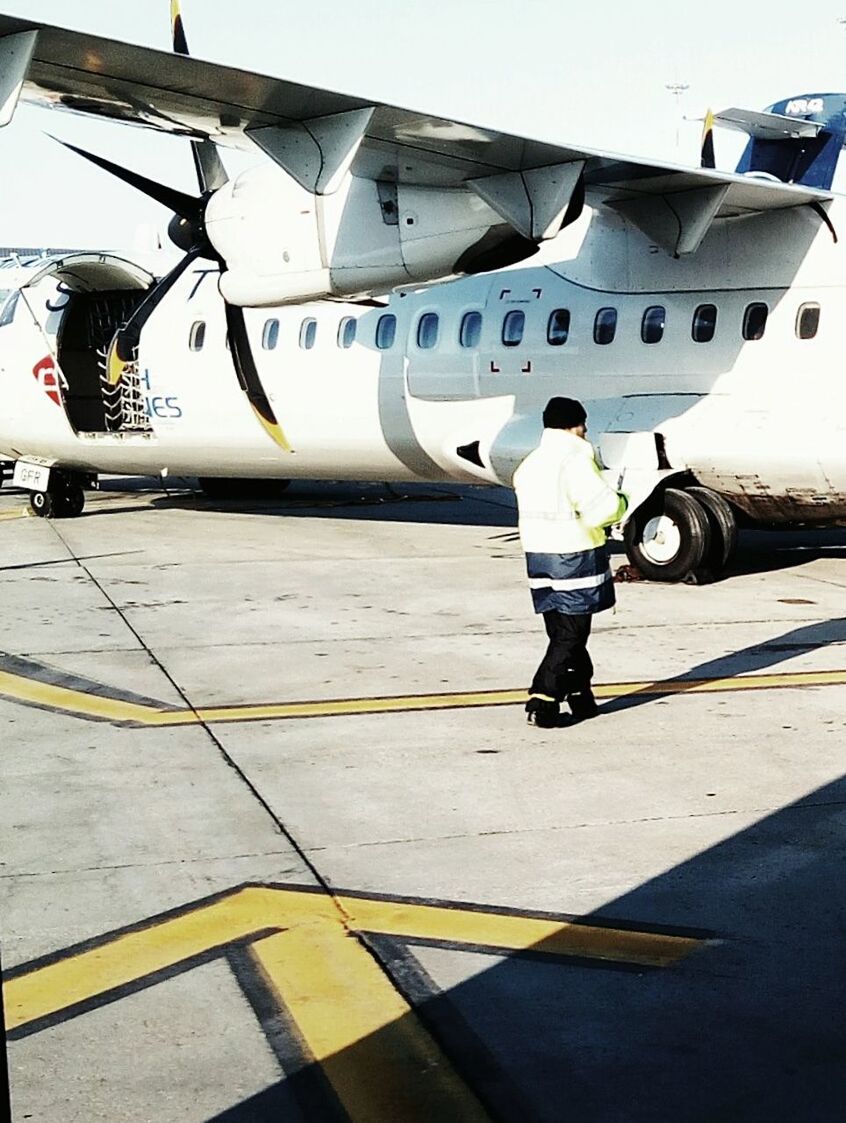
(723, 528)
(669, 537)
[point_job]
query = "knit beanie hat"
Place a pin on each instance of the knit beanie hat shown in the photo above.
(563, 413)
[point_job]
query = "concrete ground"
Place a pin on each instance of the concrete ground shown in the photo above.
(217, 906)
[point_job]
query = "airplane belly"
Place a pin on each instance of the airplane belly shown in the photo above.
(772, 468)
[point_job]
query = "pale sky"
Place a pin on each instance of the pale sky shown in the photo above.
(591, 74)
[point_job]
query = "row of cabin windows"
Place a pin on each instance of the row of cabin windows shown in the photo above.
(653, 322)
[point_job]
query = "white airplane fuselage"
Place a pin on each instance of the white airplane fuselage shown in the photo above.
(760, 420)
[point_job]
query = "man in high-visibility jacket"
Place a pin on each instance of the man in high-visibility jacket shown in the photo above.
(564, 506)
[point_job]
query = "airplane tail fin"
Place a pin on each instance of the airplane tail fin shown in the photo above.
(797, 140)
(707, 152)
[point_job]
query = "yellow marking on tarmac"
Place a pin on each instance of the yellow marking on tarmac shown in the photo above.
(376, 1053)
(20, 513)
(100, 707)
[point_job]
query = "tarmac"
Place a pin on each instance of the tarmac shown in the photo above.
(278, 844)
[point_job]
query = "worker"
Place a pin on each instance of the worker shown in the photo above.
(564, 507)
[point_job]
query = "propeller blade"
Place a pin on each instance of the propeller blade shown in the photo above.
(180, 43)
(707, 159)
(211, 173)
(123, 351)
(248, 376)
(186, 206)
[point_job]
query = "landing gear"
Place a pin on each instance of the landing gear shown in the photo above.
(680, 535)
(723, 528)
(41, 504)
(63, 499)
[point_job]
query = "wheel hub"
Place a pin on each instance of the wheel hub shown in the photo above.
(661, 540)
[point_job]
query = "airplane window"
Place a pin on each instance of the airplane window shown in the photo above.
(704, 323)
(197, 337)
(512, 328)
(652, 324)
(807, 320)
(558, 327)
(270, 335)
(470, 331)
(346, 332)
(754, 321)
(427, 331)
(308, 333)
(605, 325)
(386, 330)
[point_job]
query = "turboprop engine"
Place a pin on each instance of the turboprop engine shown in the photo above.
(283, 244)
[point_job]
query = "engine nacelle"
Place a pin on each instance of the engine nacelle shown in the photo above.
(281, 244)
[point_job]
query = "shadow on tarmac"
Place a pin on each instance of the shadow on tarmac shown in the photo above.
(749, 1027)
(756, 659)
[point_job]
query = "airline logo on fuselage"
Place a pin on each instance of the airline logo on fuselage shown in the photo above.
(45, 375)
(157, 405)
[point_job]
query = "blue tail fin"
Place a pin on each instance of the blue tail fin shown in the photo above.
(809, 160)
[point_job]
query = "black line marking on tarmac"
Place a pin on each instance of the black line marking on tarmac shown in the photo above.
(52, 676)
(469, 1056)
(115, 994)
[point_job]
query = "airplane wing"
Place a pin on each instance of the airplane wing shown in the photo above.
(316, 134)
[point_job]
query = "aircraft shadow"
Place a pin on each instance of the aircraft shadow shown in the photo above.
(406, 503)
(748, 660)
(748, 1027)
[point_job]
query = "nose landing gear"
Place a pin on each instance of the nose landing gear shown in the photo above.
(63, 499)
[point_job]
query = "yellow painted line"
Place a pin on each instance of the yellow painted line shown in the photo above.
(510, 933)
(380, 1059)
(376, 1053)
(20, 688)
(21, 513)
(30, 691)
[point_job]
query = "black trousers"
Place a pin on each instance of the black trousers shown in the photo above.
(566, 668)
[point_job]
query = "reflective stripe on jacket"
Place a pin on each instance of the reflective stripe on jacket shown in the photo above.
(564, 505)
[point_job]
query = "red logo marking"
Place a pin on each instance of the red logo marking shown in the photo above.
(45, 374)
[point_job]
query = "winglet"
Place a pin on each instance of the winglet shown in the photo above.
(707, 157)
(180, 43)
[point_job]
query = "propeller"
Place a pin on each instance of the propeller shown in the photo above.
(706, 159)
(187, 230)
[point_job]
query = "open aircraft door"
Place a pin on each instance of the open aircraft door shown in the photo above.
(63, 319)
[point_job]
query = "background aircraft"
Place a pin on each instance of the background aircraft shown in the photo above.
(677, 302)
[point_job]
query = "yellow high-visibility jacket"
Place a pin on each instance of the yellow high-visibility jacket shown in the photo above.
(564, 506)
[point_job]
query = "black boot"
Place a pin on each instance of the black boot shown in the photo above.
(542, 713)
(582, 705)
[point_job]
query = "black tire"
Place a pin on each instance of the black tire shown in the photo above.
(41, 503)
(668, 537)
(69, 503)
(723, 528)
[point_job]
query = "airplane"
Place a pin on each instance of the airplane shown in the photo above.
(361, 305)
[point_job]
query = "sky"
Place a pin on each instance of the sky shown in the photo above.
(591, 74)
